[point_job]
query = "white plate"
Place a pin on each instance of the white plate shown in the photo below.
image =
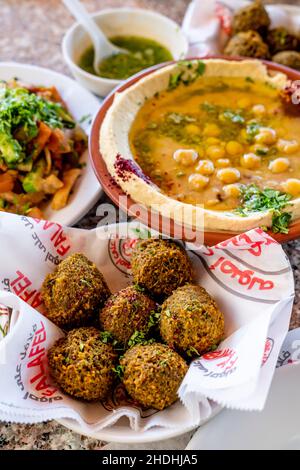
(277, 427)
(122, 433)
(80, 103)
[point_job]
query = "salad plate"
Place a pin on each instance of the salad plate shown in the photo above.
(82, 106)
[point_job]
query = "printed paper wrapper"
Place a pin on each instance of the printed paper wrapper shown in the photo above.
(207, 23)
(249, 276)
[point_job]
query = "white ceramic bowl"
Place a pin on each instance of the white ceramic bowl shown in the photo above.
(117, 22)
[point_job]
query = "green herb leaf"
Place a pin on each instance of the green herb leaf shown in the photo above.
(153, 319)
(139, 337)
(106, 337)
(236, 118)
(192, 352)
(20, 112)
(252, 129)
(119, 371)
(255, 199)
(168, 313)
(281, 222)
(85, 282)
(187, 72)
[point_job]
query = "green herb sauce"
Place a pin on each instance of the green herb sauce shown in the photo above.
(143, 53)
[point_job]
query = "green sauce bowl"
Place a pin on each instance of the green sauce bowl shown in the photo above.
(121, 22)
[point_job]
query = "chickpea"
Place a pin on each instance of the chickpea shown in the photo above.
(223, 163)
(279, 165)
(250, 161)
(211, 130)
(266, 135)
(185, 157)
(244, 102)
(258, 109)
(232, 190)
(244, 136)
(198, 182)
(205, 167)
(228, 175)
(192, 129)
(215, 151)
(234, 148)
(212, 141)
(291, 186)
(287, 146)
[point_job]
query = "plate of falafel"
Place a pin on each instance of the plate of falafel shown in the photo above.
(135, 328)
(265, 32)
(253, 35)
(145, 334)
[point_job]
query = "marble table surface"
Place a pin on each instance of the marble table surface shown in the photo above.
(31, 32)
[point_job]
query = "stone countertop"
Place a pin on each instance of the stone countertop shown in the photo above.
(31, 32)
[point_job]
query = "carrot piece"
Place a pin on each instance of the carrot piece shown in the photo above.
(58, 143)
(35, 213)
(56, 95)
(50, 93)
(6, 183)
(42, 138)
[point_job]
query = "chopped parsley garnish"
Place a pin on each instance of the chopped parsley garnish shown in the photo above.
(139, 288)
(187, 72)
(209, 108)
(163, 363)
(236, 118)
(21, 111)
(178, 118)
(119, 371)
(168, 313)
(261, 152)
(138, 337)
(153, 319)
(265, 152)
(192, 352)
(85, 282)
(255, 199)
(252, 129)
(107, 338)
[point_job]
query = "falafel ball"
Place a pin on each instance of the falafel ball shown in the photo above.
(81, 364)
(191, 322)
(74, 292)
(288, 58)
(153, 374)
(247, 44)
(279, 39)
(126, 312)
(160, 266)
(254, 17)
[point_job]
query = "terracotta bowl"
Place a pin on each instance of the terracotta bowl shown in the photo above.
(125, 203)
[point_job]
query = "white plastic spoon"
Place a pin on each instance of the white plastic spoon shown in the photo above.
(102, 46)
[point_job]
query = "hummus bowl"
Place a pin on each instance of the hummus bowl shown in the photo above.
(209, 144)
